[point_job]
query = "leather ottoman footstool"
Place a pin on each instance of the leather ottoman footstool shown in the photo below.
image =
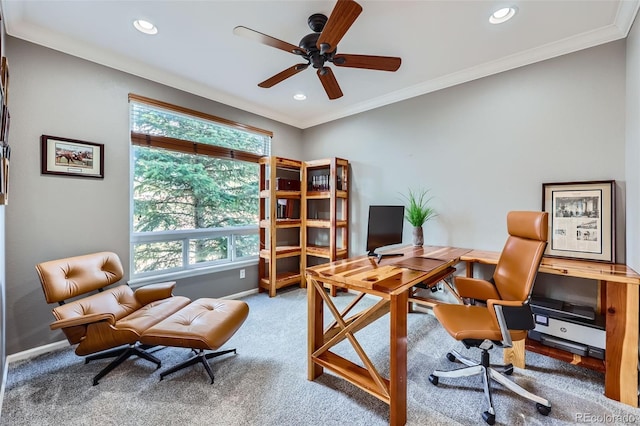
(204, 324)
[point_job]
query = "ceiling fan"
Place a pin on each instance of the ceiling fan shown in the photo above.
(319, 47)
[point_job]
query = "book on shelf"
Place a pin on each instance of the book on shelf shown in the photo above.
(283, 184)
(289, 209)
(322, 183)
(286, 209)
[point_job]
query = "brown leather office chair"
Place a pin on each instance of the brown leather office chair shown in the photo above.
(501, 314)
(108, 323)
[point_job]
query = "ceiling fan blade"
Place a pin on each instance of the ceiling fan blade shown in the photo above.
(268, 40)
(382, 63)
(329, 83)
(342, 17)
(270, 82)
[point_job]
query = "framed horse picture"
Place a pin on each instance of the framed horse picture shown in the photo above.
(71, 157)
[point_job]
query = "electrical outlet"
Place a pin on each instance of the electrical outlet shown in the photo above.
(242, 273)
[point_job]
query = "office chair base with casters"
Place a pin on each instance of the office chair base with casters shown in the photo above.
(122, 355)
(200, 357)
(488, 372)
(453, 356)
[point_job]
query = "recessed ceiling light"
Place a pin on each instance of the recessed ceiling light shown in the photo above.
(145, 26)
(299, 96)
(502, 15)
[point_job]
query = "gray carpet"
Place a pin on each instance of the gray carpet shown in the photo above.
(266, 384)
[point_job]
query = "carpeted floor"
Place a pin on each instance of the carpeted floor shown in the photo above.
(266, 384)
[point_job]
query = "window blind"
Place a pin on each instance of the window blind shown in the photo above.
(194, 132)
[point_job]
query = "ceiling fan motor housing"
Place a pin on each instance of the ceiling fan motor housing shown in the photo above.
(316, 57)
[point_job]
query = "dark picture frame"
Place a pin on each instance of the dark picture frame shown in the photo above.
(4, 78)
(3, 109)
(6, 120)
(582, 219)
(71, 157)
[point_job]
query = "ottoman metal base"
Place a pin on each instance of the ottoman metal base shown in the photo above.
(203, 325)
(201, 357)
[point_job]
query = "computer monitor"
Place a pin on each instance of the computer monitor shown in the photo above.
(384, 229)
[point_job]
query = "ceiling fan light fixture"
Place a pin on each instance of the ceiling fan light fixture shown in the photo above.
(503, 15)
(145, 27)
(299, 96)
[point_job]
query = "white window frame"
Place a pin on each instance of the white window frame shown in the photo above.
(186, 270)
(190, 270)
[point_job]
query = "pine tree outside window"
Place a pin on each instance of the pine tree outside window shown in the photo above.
(194, 190)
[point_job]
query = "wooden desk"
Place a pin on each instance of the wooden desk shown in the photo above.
(618, 301)
(392, 285)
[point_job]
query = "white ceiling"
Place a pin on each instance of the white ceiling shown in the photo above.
(441, 43)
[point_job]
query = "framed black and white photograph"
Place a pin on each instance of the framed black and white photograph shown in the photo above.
(581, 219)
(71, 157)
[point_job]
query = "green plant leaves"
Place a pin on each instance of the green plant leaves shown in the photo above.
(417, 210)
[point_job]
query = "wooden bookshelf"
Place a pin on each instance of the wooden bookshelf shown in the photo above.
(315, 196)
(325, 215)
(280, 224)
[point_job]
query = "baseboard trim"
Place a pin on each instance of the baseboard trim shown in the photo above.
(4, 381)
(241, 294)
(34, 352)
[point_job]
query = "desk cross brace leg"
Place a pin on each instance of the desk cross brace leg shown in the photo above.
(346, 310)
(348, 332)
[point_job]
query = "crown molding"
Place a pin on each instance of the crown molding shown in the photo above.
(625, 16)
(17, 27)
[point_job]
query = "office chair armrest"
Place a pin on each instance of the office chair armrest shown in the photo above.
(83, 320)
(475, 288)
(152, 292)
(517, 315)
(511, 315)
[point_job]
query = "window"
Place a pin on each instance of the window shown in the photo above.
(194, 189)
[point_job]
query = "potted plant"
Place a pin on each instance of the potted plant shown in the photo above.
(417, 212)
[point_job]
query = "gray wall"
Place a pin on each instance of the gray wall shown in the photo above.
(3, 334)
(52, 217)
(632, 170)
(484, 148)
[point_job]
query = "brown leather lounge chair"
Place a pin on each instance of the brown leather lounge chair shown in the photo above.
(108, 323)
(504, 315)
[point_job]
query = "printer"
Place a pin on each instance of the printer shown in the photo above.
(573, 328)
